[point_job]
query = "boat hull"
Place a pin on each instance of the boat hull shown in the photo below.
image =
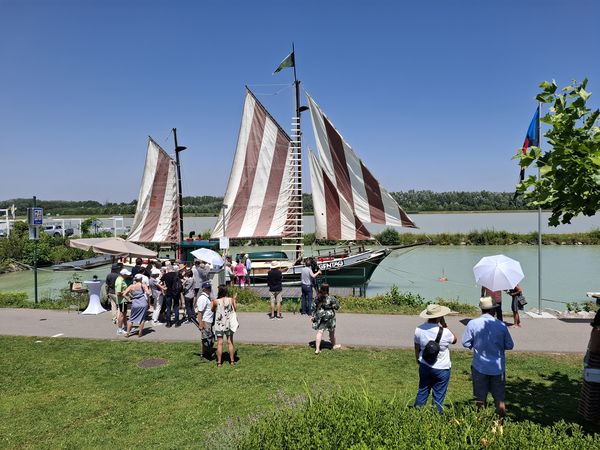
(353, 271)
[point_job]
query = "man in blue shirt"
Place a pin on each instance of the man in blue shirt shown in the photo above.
(488, 338)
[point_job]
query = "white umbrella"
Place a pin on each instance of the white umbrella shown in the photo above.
(209, 256)
(112, 246)
(498, 272)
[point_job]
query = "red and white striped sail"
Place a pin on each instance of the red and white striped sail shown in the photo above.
(334, 218)
(260, 187)
(369, 201)
(157, 214)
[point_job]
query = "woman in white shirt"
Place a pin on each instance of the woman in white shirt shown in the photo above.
(434, 370)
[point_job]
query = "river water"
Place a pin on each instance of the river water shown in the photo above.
(568, 272)
(514, 222)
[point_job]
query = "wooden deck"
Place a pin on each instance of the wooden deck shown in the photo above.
(296, 291)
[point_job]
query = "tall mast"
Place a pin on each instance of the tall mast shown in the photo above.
(179, 193)
(296, 135)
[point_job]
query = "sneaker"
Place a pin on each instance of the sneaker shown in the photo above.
(168, 325)
(279, 317)
(272, 317)
(177, 325)
(337, 346)
(121, 332)
(156, 323)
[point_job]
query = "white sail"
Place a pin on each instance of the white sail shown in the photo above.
(369, 201)
(157, 214)
(334, 218)
(260, 186)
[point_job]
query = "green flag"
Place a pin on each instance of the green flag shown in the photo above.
(287, 62)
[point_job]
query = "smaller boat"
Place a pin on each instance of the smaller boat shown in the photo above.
(83, 264)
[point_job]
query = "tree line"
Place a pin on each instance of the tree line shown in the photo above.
(412, 201)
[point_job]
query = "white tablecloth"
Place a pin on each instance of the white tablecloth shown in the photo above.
(94, 307)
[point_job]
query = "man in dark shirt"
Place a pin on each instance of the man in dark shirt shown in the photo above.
(274, 278)
(137, 268)
(110, 289)
(173, 285)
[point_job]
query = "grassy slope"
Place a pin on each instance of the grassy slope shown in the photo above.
(83, 393)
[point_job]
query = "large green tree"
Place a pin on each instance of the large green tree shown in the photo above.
(569, 181)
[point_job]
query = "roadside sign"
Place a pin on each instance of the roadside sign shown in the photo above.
(35, 216)
(223, 242)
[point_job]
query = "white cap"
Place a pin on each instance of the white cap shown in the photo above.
(155, 271)
(125, 272)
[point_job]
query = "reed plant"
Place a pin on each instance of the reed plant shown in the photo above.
(354, 419)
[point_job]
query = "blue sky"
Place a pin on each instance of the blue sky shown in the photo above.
(431, 94)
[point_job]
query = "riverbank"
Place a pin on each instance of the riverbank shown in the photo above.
(62, 392)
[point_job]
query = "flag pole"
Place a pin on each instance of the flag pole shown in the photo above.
(297, 137)
(539, 225)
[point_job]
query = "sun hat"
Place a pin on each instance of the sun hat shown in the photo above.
(207, 285)
(125, 272)
(433, 311)
(486, 303)
(274, 264)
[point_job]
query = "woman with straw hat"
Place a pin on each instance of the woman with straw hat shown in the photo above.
(432, 339)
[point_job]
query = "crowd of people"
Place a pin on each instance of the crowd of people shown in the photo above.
(168, 286)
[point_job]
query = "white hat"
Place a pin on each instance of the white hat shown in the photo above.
(125, 272)
(155, 271)
(432, 311)
(486, 303)
(138, 276)
(175, 267)
(274, 264)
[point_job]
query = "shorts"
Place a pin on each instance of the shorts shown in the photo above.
(223, 333)
(122, 307)
(484, 384)
(276, 297)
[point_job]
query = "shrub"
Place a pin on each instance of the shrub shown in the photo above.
(458, 307)
(245, 296)
(14, 300)
(352, 420)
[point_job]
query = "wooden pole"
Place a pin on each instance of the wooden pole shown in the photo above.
(179, 193)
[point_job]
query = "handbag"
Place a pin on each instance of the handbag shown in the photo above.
(233, 322)
(521, 300)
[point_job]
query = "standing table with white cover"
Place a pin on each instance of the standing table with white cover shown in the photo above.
(94, 306)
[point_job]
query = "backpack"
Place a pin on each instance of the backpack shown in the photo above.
(178, 285)
(432, 349)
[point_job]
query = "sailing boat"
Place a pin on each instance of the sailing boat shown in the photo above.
(263, 198)
(157, 215)
(159, 212)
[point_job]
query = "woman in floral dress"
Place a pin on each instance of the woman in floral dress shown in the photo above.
(324, 317)
(225, 323)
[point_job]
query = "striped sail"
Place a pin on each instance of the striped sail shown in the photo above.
(157, 214)
(260, 186)
(334, 218)
(369, 201)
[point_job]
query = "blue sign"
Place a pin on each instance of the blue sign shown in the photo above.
(35, 216)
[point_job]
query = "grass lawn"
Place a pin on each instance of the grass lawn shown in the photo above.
(83, 393)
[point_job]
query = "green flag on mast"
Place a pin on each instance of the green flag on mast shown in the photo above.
(287, 62)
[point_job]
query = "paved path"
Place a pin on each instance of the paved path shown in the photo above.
(354, 330)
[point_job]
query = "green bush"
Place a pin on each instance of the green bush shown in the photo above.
(13, 300)
(461, 308)
(245, 296)
(358, 421)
